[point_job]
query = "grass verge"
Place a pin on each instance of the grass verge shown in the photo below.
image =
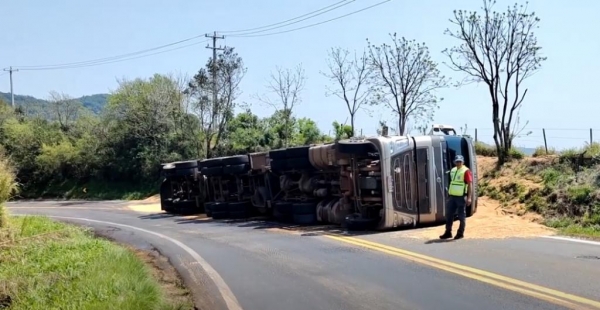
(563, 188)
(51, 265)
(93, 190)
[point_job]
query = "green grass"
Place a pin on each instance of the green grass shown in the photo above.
(93, 190)
(568, 227)
(51, 265)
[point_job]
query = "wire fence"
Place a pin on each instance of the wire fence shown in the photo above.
(550, 138)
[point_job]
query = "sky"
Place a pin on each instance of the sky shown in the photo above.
(560, 97)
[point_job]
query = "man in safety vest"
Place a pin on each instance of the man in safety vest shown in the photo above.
(460, 186)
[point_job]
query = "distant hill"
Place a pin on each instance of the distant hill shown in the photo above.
(95, 103)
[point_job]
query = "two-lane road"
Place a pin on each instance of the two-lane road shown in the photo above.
(250, 265)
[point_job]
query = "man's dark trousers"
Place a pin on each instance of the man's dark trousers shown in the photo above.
(456, 203)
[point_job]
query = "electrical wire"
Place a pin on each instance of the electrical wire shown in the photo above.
(312, 25)
(331, 8)
(108, 58)
(113, 61)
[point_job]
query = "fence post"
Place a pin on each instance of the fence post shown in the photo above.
(591, 136)
(545, 142)
(475, 134)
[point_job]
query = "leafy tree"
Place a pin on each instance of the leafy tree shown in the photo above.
(406, 79)
(500, 50)
(229, 71)
(342, 131)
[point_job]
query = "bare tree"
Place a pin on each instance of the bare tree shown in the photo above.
(287, 85)
(501, 50)
(64, 109)
(406, 79)
(351, 78)
(213, 116)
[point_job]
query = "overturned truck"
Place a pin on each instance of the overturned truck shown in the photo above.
(376, 183)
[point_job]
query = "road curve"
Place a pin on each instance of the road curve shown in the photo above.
(252, 265)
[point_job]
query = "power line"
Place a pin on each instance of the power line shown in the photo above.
(112, 57)
(331, 8)
(113, 61)
(12, 94)
(312, 25)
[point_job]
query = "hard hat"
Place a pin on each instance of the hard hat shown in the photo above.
(459, 158)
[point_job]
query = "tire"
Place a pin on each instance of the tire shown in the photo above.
(299, 163)
(236, 169)
(356, 147)
(208, 209)
(218, 207)
(284, 207)
(299, 151)
(186, 164)
(355, 222)
(186, 172)
(238, 206)
(235, 160)
(279, 165)
(238, 215)
(213, 162)
(168, 170)
(220, 215)
(212, 171)
(283, 217)
(304, 208)
(278, 154)
(305, 219)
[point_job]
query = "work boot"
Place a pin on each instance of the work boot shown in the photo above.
(446, 235)
(459, 236)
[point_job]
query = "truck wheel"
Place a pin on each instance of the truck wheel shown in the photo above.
(238, 215)
(220, 215)
(356, 147)
(355, 222)
(304, 208)
(213, 162)
(235, 160)
(186, 164)
(212, 171)
(238, 206)
(305, 219)
(186, 171)
(283, 211)
(236, 169)
(219, 207)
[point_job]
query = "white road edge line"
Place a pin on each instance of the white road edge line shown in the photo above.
(226, 293)
(572, 240)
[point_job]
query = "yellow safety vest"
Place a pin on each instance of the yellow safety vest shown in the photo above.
(458, 187)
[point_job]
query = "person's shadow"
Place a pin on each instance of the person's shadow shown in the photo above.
(438, 241)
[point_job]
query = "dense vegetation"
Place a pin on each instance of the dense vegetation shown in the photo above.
(63, 149)
(562, 187)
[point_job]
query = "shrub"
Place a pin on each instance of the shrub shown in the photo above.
(483, 149)
(8, 186)
(516, 154)
(541, 151)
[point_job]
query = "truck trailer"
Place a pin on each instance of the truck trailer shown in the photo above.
(373, 183)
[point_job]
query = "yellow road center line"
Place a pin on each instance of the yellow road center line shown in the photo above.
(476, 274)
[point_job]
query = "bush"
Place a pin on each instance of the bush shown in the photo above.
(8, 186)
(541, 151)
(483, 149)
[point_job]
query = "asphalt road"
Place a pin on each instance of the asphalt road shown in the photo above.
(253, 265)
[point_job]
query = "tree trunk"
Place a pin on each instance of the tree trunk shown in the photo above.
(352, 123)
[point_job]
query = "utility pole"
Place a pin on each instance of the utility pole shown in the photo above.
(214, 63)
(12, 94)
(214, 77)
